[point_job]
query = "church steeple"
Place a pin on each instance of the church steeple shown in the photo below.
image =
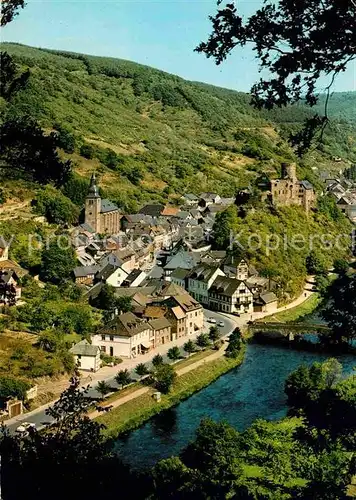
(93, 191)
(93, 206)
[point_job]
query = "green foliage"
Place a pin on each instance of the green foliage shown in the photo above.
(315, 264)
(28, 153)
(340, 312)
(56, 207)
(341, 266)
(174, 353)
(66, 138)
(225, 226)
(328, 207)
(203, 340)
(189, 347)
(157, 360)
(103, 388)
(234, 344)
(76, 189)
(123, 378)
(58, 261)
(87, 150)
(214, 333)
(141, 370)
(164, 376)
(50, 341)
(149, 127)
(11, 387)
(2, 196)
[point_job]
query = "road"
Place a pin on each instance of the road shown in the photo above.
(39, 416)
(107, 373)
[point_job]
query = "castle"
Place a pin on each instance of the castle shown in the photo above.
(290, 191)
(101, 215)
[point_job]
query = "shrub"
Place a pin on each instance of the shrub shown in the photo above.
(11, 387)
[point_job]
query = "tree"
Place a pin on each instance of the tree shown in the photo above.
(234, 343)
(11, 78)
(9, 10)
(295, 42)
(322, 283)
(174, 353)
(164, 376)
(108, 301)
(214, 333)
(11, 387)
(314, 264)
(341, 266)
(56, 207)
(70, 455)
(66, 139)
(28, 153)
(203, 340)
(340, 312)
(87, 151)
(189, 347)
(157, 360)
(142, 370)
(50, 341)
(76, 189)
(58, 261)
(123, 378)
(103, 388)
(225, 226)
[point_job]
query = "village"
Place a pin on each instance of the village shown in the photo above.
(162, 261)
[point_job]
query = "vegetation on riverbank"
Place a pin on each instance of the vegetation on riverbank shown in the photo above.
(133, 413)
(295, 314)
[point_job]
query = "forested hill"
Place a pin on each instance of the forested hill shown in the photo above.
(151, 134)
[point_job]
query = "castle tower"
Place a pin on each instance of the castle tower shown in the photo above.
(93, 206)
(289, 171)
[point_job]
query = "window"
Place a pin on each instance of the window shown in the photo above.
(112, 339)
(103, 348)
(242, 291)
(196, 314)
(103, 337)
(190, 324)
(79, 356)
(111, 351)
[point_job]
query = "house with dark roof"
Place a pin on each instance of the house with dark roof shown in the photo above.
(135, 278)
(154, 210)
(86, 356)
(179, 276)
(266, 302)
(182, 259)
(207, 199)
(84, 275)
(230, 295)
(190, 199)
(200, 279)
(162, 330)
(125, 336)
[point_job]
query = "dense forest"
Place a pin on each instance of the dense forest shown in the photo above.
(151, 135)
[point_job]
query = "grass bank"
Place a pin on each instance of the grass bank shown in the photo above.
(296, 313)
(135, 412)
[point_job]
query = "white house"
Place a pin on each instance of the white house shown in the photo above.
(125, 336)
(117, 277)
(230, 295)
(87, 356)
(200, 280)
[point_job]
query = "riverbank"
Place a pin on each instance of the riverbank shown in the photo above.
(298, 313)
(191, 379)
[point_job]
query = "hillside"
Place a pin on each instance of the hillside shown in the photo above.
(151, 135)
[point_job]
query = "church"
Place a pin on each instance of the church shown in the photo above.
(101, 215)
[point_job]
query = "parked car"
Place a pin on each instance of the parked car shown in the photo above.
(212, 320)
(221, 323)
(25, 427)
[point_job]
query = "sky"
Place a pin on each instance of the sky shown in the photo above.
(159, 33)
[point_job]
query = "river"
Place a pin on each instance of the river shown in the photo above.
(253, 390)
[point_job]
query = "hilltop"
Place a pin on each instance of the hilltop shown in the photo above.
(151, 135)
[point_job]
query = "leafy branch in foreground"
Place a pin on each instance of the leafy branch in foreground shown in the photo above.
(297, 43)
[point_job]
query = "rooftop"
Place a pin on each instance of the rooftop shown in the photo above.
(159, 323)
(225, 286)
(83, 348)
(108, 206)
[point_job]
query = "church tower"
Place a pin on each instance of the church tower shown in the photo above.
(93, 206)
